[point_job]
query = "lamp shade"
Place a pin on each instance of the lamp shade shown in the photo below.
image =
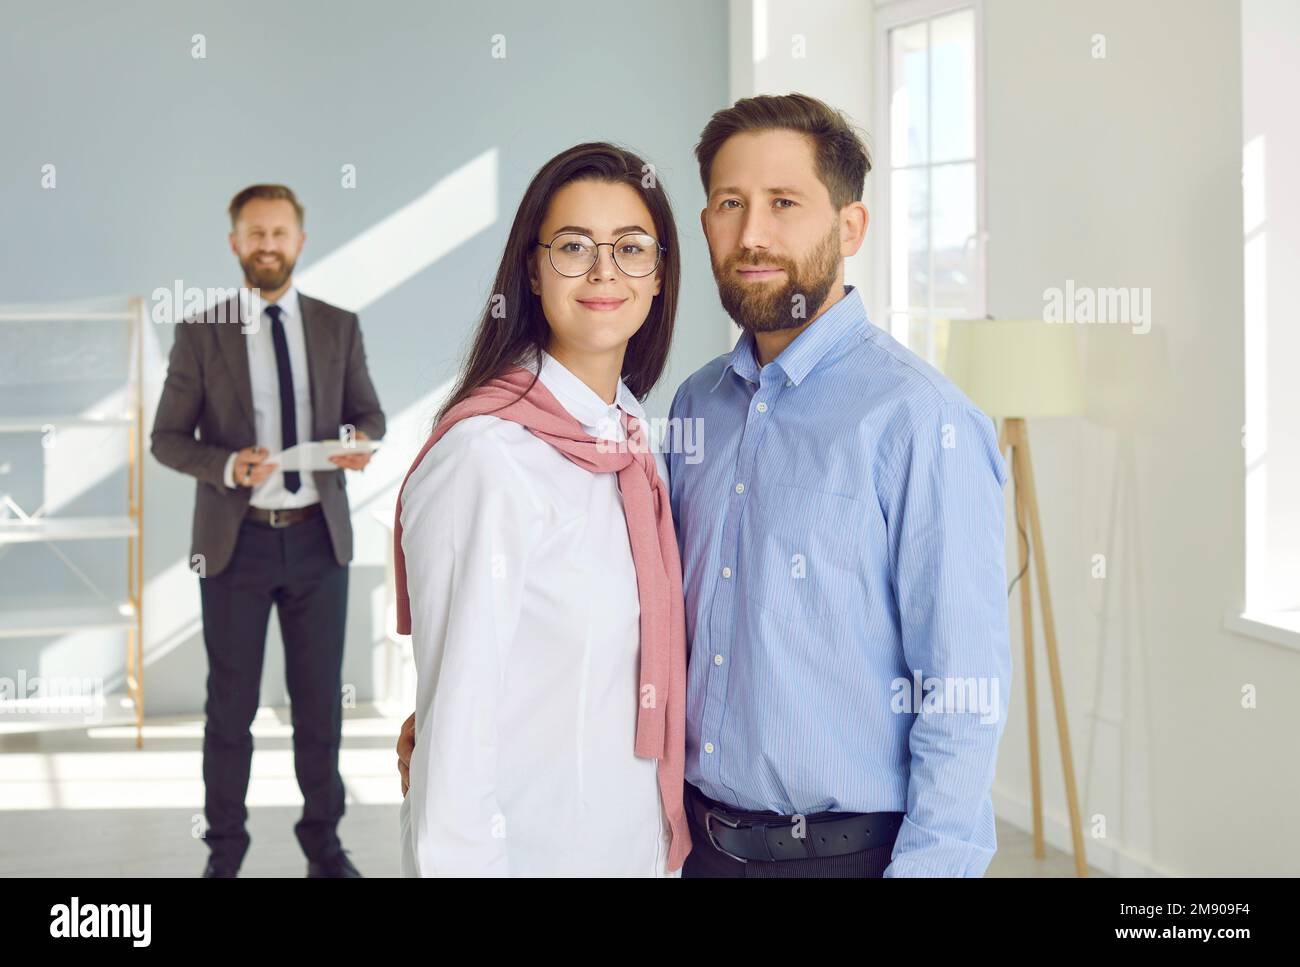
(1128, 383)
(1016, 368)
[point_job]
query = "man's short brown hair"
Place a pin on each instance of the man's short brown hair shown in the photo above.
(267, 193)
(841, 156)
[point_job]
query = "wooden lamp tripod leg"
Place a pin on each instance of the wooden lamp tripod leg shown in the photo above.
(1017, 436)
(1027, 631)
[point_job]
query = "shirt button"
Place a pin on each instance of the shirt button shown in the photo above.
(717, 659)
(708, 747)
(762, 407)
(726, 572)
(789, 382)
(740, 488)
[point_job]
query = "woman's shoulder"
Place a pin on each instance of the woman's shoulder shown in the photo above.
(478, 453)
(481, 438)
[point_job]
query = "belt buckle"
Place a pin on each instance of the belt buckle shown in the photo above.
(275, 518)
(710, 814)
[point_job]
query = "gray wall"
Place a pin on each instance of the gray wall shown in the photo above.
(151, 143)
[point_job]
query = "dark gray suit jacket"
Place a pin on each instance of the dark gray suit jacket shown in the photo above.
(208, 387)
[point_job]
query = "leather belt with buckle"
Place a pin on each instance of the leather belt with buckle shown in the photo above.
(282, 518)
(769, 837)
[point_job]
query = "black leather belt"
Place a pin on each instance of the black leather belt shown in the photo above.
(282, 518)
(768, 837)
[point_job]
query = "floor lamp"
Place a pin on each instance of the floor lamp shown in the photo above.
(1128, 391)
(1013, 371)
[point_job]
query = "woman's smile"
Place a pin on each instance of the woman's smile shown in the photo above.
(601, 303)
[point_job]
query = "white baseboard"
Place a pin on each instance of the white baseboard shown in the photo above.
(1108, 856)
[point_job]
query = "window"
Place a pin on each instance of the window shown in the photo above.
(1270, 53)
(931, 194)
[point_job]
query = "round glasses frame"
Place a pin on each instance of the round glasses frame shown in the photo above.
(659, 253)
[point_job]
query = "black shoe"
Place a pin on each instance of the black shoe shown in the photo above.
(212, 870)
(339, 866)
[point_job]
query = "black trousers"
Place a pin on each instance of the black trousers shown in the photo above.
(705, 861)
(293, 568)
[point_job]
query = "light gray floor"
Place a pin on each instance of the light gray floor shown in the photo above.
(85, 802)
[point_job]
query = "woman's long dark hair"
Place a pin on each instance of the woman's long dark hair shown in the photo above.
(521, 333)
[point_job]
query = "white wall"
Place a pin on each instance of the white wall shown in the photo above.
(1126, 171)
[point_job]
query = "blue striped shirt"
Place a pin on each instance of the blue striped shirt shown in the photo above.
(841, 527)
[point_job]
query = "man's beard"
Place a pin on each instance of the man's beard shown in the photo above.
(760, 307)
(267, 277)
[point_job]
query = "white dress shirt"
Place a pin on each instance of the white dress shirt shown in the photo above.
(526, 638)
(265, 376)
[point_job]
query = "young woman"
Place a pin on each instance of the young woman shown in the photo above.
(537, 569)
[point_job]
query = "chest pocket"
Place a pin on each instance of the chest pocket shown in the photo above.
(804, 547)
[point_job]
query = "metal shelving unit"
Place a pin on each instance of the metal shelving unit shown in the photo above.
(100, 615)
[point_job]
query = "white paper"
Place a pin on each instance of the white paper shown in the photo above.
(315, 454)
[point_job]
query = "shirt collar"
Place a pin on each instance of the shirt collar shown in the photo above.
(288, 302)
(582, 402)
(810, 347)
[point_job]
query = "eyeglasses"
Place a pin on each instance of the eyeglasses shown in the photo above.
(635, 254)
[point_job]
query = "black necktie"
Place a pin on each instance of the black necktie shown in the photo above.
(288, 412)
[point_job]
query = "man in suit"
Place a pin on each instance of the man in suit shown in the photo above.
(256, 375)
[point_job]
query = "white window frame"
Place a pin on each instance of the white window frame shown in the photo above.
(1261, 610)
(891, 14)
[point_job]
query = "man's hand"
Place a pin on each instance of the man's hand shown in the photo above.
(251, 467)
(353, 461)
(406, 746)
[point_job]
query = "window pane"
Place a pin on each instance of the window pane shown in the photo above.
(908, 253)
(898, 327)
(908, 94)
(952, 86)
(953, 235)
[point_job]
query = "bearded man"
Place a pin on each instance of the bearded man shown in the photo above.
(842, 535)
(255, 375)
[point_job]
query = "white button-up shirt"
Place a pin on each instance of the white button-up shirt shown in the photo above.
(265, 377)
(526, 637)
